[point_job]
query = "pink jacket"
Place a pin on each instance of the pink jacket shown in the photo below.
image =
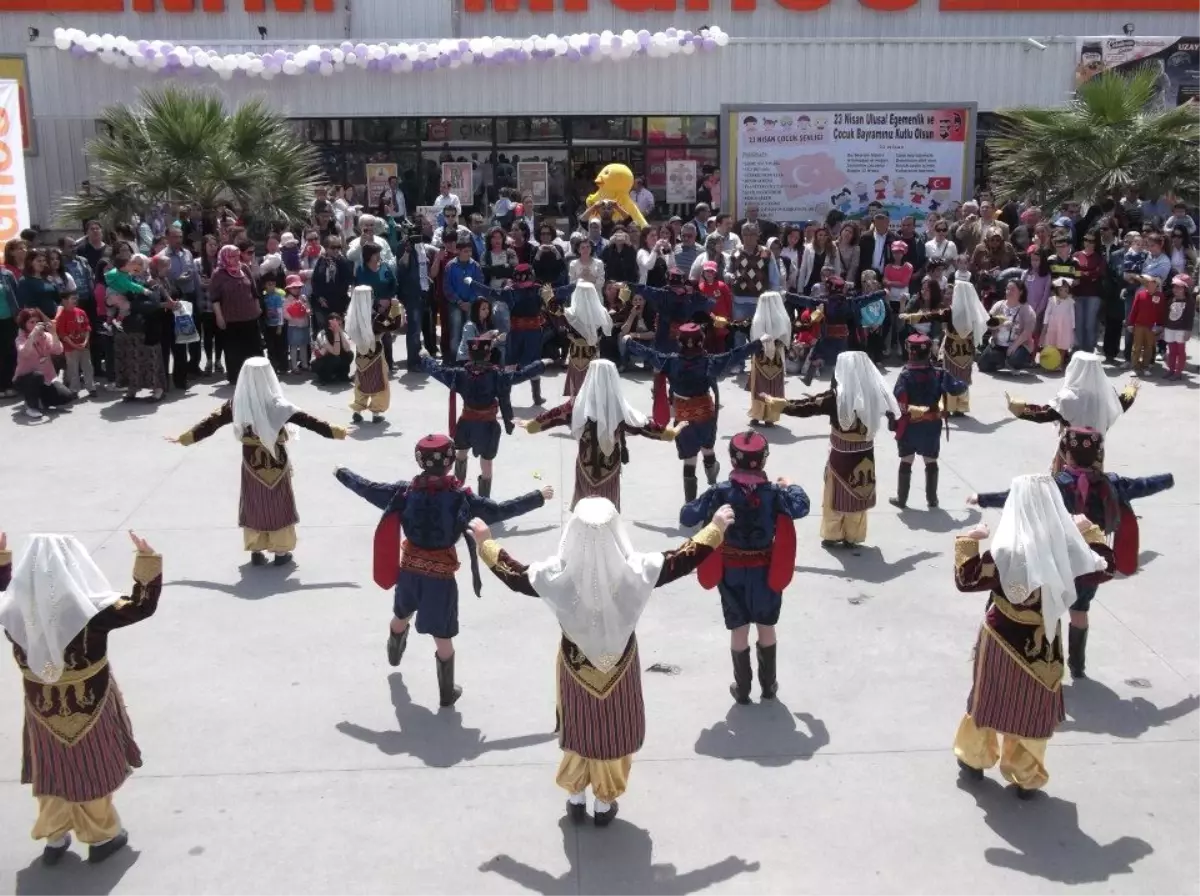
(33, 355)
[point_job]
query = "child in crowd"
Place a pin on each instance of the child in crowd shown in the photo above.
(1133, 259)
(1145, 318)
(897, 274)
(1177, 328)
(1058, 329)
(74, 331)
(297, 313)
(273, 335)
(962, 267)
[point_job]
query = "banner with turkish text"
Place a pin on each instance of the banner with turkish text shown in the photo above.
(1175, 60)
(14, 200)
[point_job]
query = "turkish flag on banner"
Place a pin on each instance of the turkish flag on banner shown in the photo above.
(939, 183)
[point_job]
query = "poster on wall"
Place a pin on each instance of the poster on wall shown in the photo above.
(14, 200)
(533, 179)
(681, 181)
(799, 163)
(1175, 60)
(377, 180)
(13, 68)
(458, 175)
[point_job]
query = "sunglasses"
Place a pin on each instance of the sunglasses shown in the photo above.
(941, 229)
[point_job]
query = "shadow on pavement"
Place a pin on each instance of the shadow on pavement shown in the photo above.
(618, 860)
(673, 531)
(1097, 709)
(257, 583)
(74, 875)
(436, 737)
(1046, 840)
(978, 427)
(748, 731)
(938, 520)
(866, 564)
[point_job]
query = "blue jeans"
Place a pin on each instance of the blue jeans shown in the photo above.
(1087, 317)
(995, 357)
(454, 317)
(502, 319)
(743, 309)
(414, 307)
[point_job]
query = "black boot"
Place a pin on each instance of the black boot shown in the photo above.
(711, 468)
(395, 646)
(485, 486)
(97, 854)
(448, 691)
(1076, 651)
(766, 671)
(743, 676)
(905, 480)
(931, 484)
(536, 385)
(460, 469)
(689, 483)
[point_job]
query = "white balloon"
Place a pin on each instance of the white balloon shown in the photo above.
(339, 66)
(121, 62)
(326, 68)
(351, 59)
(338, 56)
(688, 49)
(267, 74)
(108, 41)
(468, 57)
(91, 43)
(406, 65)
(61, 41)
(226, 74)
(186, 60)
(138, 61)
(290, 68)
(722, 39)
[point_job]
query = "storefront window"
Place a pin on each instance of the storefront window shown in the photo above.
(473, 131)
(385, 131)
(540, 172)
(677, 129)
(529, 130)
(605, 129)
(656, 167)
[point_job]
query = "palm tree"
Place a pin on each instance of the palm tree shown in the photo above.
(181, 146)
(1113, 139)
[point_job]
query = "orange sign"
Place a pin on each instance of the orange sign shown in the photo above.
(512, 6)
(207, 6)
(12, 68)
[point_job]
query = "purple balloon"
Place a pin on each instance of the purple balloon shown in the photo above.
(167, 48)
(687, 35)
(149, 52)
(573, 55)
(615, 42)
(360, 50)
(463, 46)
(346, 47)
(281, 56)
(594, 41)
(443, 61)
(312, 67)
(586, 50)
(643, 39)
(142, 45)
(326, 56)
(78, 51)
(708, 44)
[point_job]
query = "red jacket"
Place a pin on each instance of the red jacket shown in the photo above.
(73, 328)
(719, 292)
(1147, 310)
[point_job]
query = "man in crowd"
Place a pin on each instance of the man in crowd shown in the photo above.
(92, 247)
(873, 248)
(729, 241)
(445, 200)
(688, 250)
(397, 196)
(700, 220)
(754, 272)
(642, 197)
(766, 229)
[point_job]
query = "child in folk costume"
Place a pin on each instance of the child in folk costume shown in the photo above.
(365, 327)
(527, 317)
(755, 565)
(260, 415)
(673, 306)
(598, 587)
(600, 419)
(78, 748)
(717, 292)
(1058, 326)
(1040, 558)
(920, 390)
(486, 389)
(771, 327)
(966, 322)
(588, 320)
(855, 405)
(692, 375)
(414, 549)
(1085, 400)
(1106, 499)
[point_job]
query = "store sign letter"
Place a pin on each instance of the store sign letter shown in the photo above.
(1027, 6)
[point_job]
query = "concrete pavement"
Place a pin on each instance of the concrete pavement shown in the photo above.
(283, 755)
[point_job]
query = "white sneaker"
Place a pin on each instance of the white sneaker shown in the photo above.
(34, 413)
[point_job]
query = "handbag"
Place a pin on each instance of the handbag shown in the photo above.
(873, 314)
(185, 324)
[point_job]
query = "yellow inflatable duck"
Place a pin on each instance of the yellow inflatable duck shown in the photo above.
(613, 184)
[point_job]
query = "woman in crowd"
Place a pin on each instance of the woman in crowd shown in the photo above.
(1043, 239)
(620, 259)
(993, 254)
(1012, 344)
(139, 320)
(712, 252)
(584, 266)
(481, 323)
(56, 274)
(548, 264)
(334, 352)
(598, 588)
(35, 289)
(15, 252)
(77, 747)
(236, 309)
(519, 242)
(260, 412)
(1182, 252)
(653, 258)
(1040, 555)
(941, 247)
(35, 377)
(927, 299)
(212, 337)
(9, 309)
(1087, 290)
(845, 257)
(793, 251)
(815, 257)
(497, 260)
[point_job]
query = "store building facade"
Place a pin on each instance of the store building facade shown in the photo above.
(574, 117)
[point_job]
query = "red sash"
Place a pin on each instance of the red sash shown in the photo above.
(661, 407)
(386, 554)
(1126, 542)
(780, 566)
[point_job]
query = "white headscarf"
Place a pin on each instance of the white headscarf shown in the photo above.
(358, 318)
(1086, 398)
(1038, 546)
(56, 589)
(600, 399)
(770, 318)
(966, 311)
(861, 392)
(586, 314)
(596, 584)
(258, 403)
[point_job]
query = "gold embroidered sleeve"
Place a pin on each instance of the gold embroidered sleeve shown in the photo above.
(339, 432)
(489, 552)
(507, 569)
(209, 425)
(972, 571)
(710, 536)
(533, 427)
(1093, 534)
(1126, 397)
(146, 568)
(142, 603)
